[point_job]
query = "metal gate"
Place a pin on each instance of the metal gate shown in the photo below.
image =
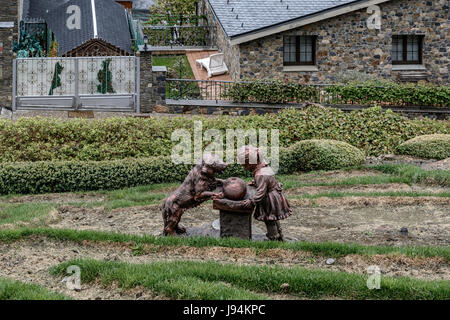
(78, 83)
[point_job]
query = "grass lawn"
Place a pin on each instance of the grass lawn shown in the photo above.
(169, 61)
(24, 212)
(333, 249)
(212, 280)
(16, 290)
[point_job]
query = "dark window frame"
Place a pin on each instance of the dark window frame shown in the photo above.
(297, 61)
(404, 39)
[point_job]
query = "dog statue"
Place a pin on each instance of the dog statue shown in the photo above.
(198, 187)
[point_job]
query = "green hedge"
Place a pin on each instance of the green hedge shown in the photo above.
(392, 94)
(433, 146)
(311, 155)
(366, 93)
(39, 139)
(67, 176)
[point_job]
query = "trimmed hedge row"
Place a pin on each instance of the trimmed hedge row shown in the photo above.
(311, 155)
(39, 139)
(366, 93)
(433, 146)
(67, 176)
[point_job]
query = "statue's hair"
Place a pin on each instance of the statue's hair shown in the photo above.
(250, 155)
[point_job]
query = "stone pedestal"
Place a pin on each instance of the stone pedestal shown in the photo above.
(235, 224)
(235, 221)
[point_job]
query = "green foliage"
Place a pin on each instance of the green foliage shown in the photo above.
(365, 93)
(56, 81)
(165, 277)
(433, 146)
(329, 249)
(184, 36)
(40, 139)
(42, 177)
(15, 290)
(104, 76)
(61, 176)
(30, 45)
(174, 7)
(310, 155)
(174, 19)
(271, 92)
(392, 94)
(415, 174)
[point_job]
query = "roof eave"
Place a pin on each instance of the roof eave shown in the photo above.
(302, 21)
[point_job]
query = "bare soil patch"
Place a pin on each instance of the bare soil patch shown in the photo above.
(29, 261)
(57, 198)
(343, 220)
(335, 175)
(366, 188)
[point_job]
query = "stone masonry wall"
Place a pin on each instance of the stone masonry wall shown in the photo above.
(8, 13)
(345, 43)
(222, 42)
(146, 81)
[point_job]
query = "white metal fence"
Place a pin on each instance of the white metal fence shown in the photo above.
(81, 82)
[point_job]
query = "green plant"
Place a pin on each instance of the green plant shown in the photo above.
(174, 7)
(104, 76)
(415, 174)
(245, 281)
(310, 155)
(433, 146)
(40, 139)
(333, 249)
(16, 290)
(364, 93)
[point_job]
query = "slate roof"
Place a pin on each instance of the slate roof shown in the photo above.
(239, 17)
(112, 25)
(37, 9)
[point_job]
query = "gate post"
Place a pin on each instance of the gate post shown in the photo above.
(14, 85)
(145, 81)
(138, 85)
(77, 101)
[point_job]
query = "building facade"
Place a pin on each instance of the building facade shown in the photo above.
(413, 39)
(8, 33)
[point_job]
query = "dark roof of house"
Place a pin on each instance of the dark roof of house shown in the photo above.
(37, 9)
(111, 19)
(239, 17)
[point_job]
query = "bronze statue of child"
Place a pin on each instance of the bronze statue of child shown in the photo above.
(269, 202)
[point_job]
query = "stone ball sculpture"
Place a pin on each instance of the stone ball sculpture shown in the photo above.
(234, 189)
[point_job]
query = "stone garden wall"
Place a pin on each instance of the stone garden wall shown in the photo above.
(8, 13)
(243, 109)
(345, 43)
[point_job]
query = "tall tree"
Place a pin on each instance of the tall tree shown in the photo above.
(174, 7)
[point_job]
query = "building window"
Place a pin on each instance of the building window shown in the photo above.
(407, 49)
(299, 50)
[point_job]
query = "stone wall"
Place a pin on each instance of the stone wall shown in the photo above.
(146, 81)
(222, 42)
(8, 13)
(345, 43)
(244, 109)
(159, 87)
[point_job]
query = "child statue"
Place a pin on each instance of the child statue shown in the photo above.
(269, 203)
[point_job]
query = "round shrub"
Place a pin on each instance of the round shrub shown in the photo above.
(325, 154)
(432, 146)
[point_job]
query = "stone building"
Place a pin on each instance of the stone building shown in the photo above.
(318, 41)
(8, 33)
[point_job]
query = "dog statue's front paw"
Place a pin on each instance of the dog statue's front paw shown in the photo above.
(180, 229)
